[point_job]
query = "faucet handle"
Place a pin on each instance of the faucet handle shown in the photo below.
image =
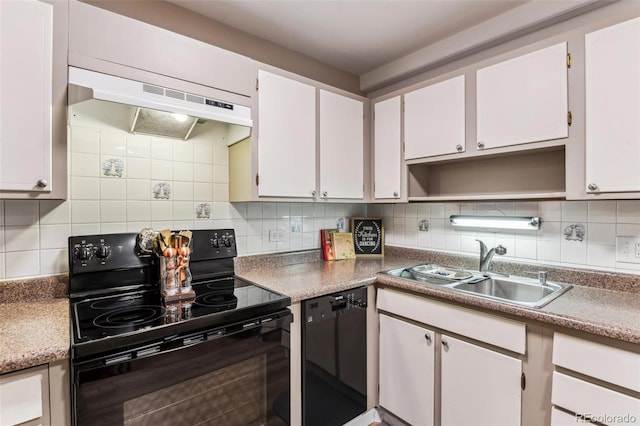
(542, 277)
(501, 250)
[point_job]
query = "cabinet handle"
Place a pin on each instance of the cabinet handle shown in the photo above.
(459, 148)
(428, 338)
(481, 145)
(313, 193)
(42, 183)
(592, 187)
(445, 344)
(324, 194)
(395, 194)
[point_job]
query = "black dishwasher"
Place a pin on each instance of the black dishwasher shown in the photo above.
(334, 358)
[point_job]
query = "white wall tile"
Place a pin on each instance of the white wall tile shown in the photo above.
(2, 267)
(437, 241)
(202, 172)
(161, 149)
(629, 211)
(18, 212)
(138, 168)
(113, 211)
(85, 140)
(573, 252)
(1, 213)
(182, 224)
(183, 151)
(550, 211)
(85, 228)
(139, 189)
(526, 208)
(113, 143)
(183, 171)
(549, 251)
(220, 174)
(54, 212)
(602, 211)
(54, 236)
(22, 264)
(113, 228)
(574, 211)
(54, 261)
(602, 234)
(85, 188)
(161, 224)
(219, 191)
(183, 210)
(254, 244)
(388, 209)
(85, 165)
(411, 210)
(468, 208)
(203, 153)
(202, 191)
(22, 238)
(138, 146)
(550, 231)
(507, 208)
(254, 210)
(238, 210)
(113, 189)
(182, 191)
(468, 244)
(137, 226)
(424, 211)
(437, 211)
(2, 247)
(526, 249)
(85, 212)
(161, 170)
(451, 209)
(603, 256)
(452, 242)
(161, 210)
(139, 211)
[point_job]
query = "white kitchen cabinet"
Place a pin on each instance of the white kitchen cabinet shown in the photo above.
(387, 146)
(434, 119)
(407, 370)
(24, 397)
(612, 96)
(478, 386)
(523, 99)
(26, 38)
(286, 137)
(341, 146)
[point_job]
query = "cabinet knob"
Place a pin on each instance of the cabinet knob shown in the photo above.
(445, 344)
(480, 145)
(428, 338)
(42, 183)
(459, 147)
(324, 194)
(395, 194)
(313, 193)
(592, 187)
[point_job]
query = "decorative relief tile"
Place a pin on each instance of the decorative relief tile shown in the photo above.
(113, 167)
(162, 191)
(423, 225)
(203, 211)
(575, 232)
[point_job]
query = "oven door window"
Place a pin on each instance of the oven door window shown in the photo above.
(240, 379)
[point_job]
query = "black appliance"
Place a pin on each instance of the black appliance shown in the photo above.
(219, 358)
(334, 345)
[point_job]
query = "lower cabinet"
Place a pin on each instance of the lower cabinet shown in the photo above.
(428, 377)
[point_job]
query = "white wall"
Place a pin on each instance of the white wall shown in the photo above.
(602, 222)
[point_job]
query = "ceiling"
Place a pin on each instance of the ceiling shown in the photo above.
(368, 37)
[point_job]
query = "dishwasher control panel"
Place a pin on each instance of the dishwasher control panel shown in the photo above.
(329, 306)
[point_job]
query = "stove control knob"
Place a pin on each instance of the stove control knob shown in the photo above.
(103, 251)
(214, 243)
(84, 253)
(227, 241)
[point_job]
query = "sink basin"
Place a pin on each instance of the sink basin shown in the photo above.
(515, 290)
(518, 290)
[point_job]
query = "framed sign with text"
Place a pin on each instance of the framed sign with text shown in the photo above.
(368, 236)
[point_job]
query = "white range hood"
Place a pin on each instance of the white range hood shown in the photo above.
(85, 85)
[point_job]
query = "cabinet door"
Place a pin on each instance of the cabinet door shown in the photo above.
(612, 95)
(387, 149)
(286, 137)
(25, 95)
(523, 99)
(434, 119)
(407, 370)
(341, 146)
(478, 386)
(24, 397)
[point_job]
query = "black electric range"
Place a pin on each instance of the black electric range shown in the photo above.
(116, 303)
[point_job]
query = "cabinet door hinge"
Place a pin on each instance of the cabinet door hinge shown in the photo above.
(523, 381)
(568, 60)
(569, 118)
(257, 179)
(257, 85)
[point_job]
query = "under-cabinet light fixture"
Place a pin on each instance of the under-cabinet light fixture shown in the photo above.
(496, 222)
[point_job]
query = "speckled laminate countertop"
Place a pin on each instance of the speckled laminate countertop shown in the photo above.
(33, 333)
(609, 313)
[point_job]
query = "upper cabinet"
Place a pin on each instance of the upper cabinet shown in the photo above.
(33, 101)
(434, 119)
(341, 146)
(308, 143)
(523, 99)
(286, 137)
(387, 147)
(612, 96)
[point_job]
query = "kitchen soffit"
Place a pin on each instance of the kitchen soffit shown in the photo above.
(383, 41)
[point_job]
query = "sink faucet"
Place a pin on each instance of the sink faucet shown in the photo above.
(485, 257)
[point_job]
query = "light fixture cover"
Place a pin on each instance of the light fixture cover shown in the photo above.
(496, 222)
(161, 123)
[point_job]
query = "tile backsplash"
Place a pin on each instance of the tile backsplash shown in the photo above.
(573, 233)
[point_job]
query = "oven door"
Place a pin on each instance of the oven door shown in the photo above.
(233, 375)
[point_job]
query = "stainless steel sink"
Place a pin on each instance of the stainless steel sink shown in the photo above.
(518, 290)
(515, 290)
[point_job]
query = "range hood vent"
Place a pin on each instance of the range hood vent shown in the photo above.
(85, 85)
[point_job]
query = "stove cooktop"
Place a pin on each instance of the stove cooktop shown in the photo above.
(116, 321)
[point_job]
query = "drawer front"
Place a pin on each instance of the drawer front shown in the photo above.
(504, 333)
(21, 396)
(562, 418)
(589, 400)
(596, 360)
